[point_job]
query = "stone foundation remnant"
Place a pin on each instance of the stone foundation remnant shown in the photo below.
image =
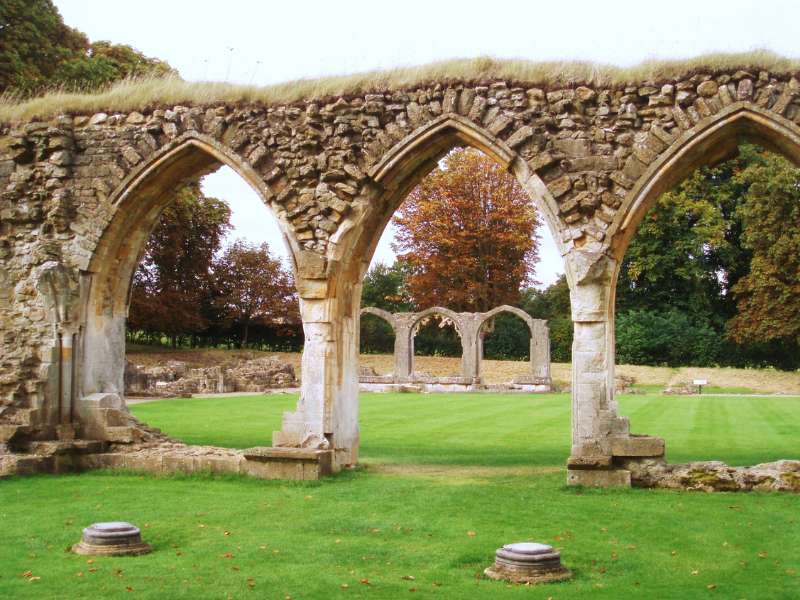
(80, 192)
(715, 476)
(116, 538)
(471, 328)
(175, 378)
(528, 563)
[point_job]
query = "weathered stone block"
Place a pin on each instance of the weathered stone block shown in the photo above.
(637, 446)
(593, 478)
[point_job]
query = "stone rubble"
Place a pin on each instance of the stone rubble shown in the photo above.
(175, 378)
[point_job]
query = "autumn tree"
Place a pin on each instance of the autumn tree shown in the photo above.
(172, 281)
(253, 287)
(768, 297)
(467, 235)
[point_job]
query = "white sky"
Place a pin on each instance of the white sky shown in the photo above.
(263, 42)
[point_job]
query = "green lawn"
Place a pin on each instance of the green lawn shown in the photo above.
(447, 479)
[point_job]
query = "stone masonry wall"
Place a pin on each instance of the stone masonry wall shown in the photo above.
(316, 163)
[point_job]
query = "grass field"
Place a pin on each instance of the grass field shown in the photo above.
(445, 480)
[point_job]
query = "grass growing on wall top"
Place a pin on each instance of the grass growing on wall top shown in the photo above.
(141, 94)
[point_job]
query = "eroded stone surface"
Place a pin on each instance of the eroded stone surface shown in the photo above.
(715, 476)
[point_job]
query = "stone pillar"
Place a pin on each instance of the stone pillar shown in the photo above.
(403, 347)
(327, 411)
(469, 326)
(540, 349)
(594, 411)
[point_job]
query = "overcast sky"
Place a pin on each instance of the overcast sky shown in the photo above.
(263, 42)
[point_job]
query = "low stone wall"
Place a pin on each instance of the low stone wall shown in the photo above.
(176, 378)
(715, 476)
(139, 447)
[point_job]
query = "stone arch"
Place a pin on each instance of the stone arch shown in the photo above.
(505, 308)
(381, 314)
(539, 352)
(711, 141)
(136, 204)
(458, 324)
(398, 170)
(597, 428)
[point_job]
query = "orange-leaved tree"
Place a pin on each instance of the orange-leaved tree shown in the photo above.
(468, 235)
(253, 287)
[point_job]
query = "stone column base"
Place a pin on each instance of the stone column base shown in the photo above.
(599, 477)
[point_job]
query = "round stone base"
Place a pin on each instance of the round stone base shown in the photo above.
(123, 550)
(117, 538)
(500, 574)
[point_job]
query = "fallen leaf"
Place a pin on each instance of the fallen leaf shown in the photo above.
(28, 574)
(412, 589)
(344, 586)
(408, 577)
(762, 554)
(364, 581)
(129, 588)
(227, 555)
(712, 586)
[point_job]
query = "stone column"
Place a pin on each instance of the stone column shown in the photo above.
(594, 411)
(403, 347)
(469, 326)
(540, 349)
(327, 411)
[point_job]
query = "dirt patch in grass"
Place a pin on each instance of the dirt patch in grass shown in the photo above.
(457, 472)
(497, 371)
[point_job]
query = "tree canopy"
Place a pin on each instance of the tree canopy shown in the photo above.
(467, 235)
(38, 51)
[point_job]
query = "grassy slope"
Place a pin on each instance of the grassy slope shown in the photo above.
(434, 501)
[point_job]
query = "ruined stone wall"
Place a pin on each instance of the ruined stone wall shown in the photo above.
(74, 188)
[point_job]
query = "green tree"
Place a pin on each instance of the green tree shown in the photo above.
(693, 249)
(665, 338)
(38, 51)
(383, 287)
(553, 305)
